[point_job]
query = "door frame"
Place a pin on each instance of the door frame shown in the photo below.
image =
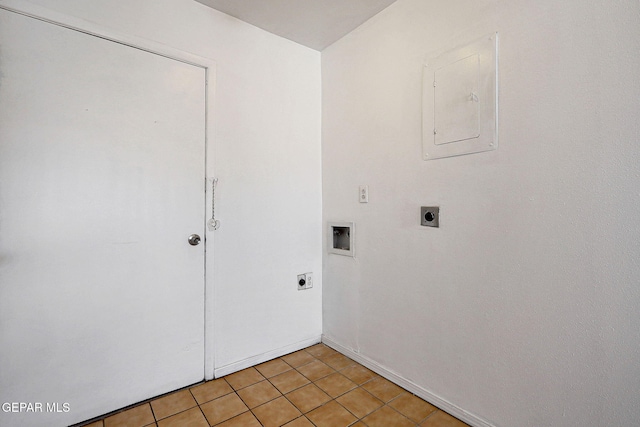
(77, 24)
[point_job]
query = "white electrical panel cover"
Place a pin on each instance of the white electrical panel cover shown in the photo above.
(460, 100)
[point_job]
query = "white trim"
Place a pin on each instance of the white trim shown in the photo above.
(77, 24)
(209, 313)
(264, 357)
(434, 399)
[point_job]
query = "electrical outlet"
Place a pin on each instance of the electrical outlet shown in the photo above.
(302, 282)
(430, 216)
(305, 281)
(363, 194)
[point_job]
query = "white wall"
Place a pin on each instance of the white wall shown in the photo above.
(522, 308)
(266, 154)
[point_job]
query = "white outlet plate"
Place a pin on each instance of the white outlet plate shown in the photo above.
(363, 194)
(308, 281)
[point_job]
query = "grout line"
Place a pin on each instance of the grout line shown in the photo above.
(153, 412)
(203, 414)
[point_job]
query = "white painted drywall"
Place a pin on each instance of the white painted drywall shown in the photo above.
(266, 154)
(522, 308)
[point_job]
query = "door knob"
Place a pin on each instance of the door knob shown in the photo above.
(194, 240)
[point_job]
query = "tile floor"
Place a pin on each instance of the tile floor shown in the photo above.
(316, 386)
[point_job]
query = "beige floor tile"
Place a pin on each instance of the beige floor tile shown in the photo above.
(358, 374)
(336, 384)
(383, 389)
(298, 358)
(192, 418)
(272, 368)
(172, 404)
(320, 351)
(211, 390)
(338, 361)
(412, 407)
(442, 419)
(244, 420)
(244, 378)
(315, 370)
(276, 413)
(359, 402)
(259, 393)
(387, 417)
(331, 415)
(308, 397)
(299, 422)
(289, 381)
(309, 379)
(138, 416)
(223, 408)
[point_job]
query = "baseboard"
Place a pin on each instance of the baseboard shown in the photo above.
(264, 357)
(435, 400)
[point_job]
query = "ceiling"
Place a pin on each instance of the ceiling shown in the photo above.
(313, 23)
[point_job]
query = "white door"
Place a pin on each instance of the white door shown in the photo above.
(101, 184)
